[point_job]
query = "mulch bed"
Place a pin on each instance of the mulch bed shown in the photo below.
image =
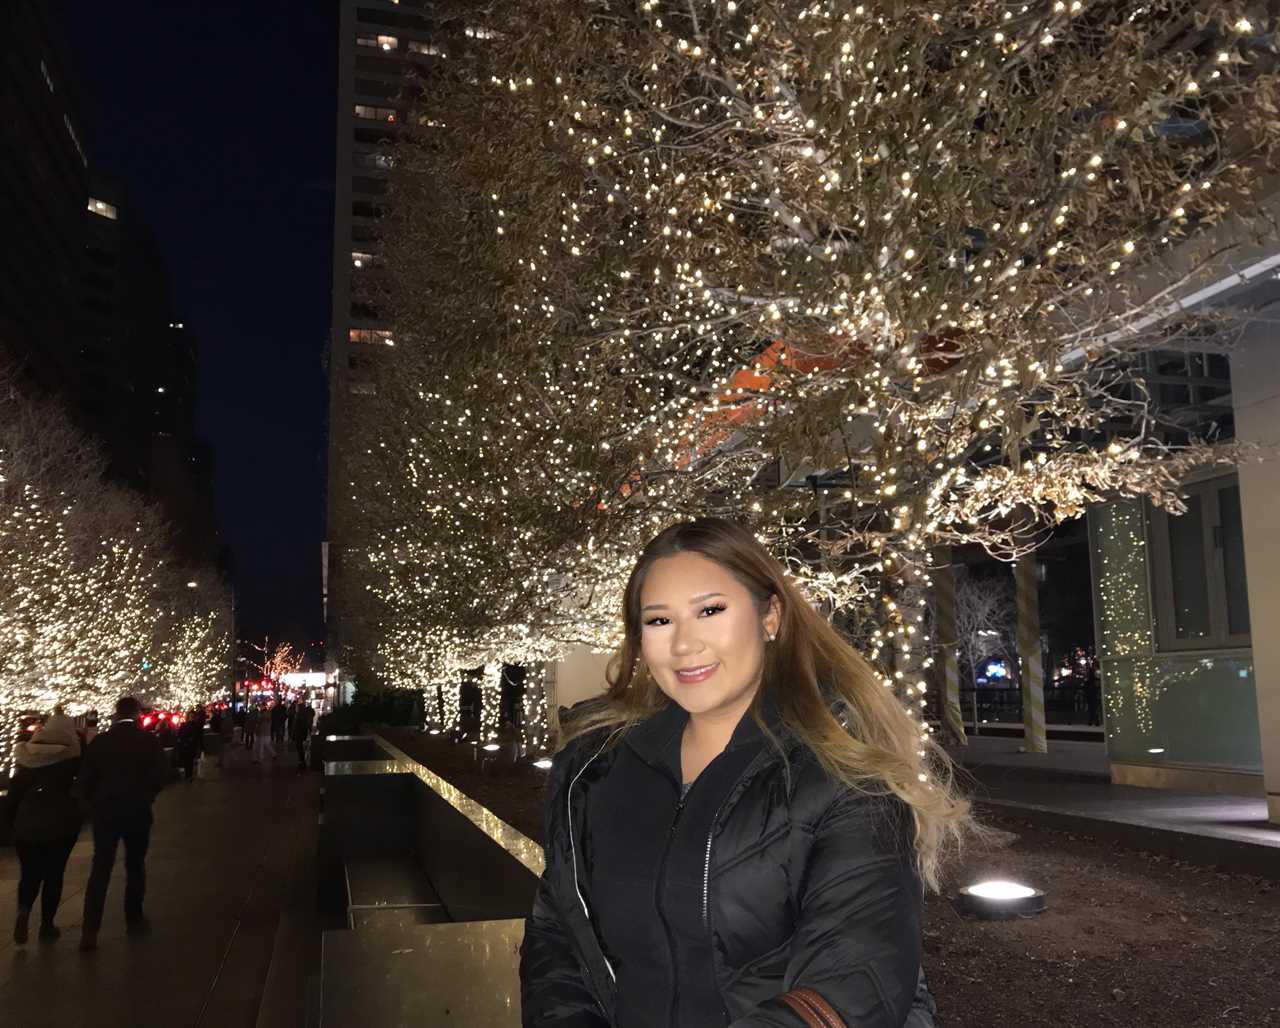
(1130, 939)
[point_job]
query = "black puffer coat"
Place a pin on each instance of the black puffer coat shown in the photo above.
(805, 884)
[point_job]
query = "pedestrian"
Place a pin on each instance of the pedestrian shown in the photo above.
(123, 771)
(279, 715)
(303, 719)
(757, 813)
(44, 818)
(226, 729)
(187, 747)
(252, 722)
(264, 747)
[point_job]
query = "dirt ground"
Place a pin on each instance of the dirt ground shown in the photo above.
(1130, 939)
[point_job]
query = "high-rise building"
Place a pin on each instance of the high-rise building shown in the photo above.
(381, 43)
(84, 293)
(44, 187)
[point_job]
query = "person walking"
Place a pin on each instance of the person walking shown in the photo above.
(760, 815)
(279, 715)
(252, 723)
(124, 769)
(303, 719)
(227, 731)
(190, 735)
(264, 747)
(44, 818)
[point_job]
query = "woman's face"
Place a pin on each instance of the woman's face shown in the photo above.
(702, 634)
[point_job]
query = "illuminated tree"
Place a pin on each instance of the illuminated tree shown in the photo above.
(646, 260)
(91, 606)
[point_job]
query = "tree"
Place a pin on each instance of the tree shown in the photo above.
(646, 260)
(91, 604)
(985, 621)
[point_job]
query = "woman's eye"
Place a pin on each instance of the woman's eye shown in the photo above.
(656, 621)
(715, 609)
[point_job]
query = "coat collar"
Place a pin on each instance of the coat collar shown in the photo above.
(657, 738)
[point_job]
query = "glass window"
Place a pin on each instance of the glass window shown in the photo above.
(103, 209)
(375, 113)
(1231, 541)
(417, 46)
(75, 140)
(378, 42)
(1190, 583)
(379, 336)
(1198, 570)
(361, 260)
(479, 32)
(381, 161)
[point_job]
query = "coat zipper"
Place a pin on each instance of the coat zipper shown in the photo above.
(573, 852)
(706, 870)
(671, 943)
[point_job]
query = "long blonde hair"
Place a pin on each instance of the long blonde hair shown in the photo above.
(879, 751)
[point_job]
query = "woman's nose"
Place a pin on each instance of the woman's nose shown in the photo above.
(684, 640)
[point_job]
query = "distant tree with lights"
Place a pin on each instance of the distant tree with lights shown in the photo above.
(91, 603)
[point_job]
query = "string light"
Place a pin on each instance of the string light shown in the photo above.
(830, 276)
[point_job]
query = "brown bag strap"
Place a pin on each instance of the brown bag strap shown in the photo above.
(815, 1011)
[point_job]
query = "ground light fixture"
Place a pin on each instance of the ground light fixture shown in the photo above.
(544, 764)
(492, 747)
(996, 899)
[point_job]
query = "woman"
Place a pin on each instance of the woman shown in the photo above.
(747, 813)
(45, 818)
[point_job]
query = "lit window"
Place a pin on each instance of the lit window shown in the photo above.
(75, 140)
(382, 161)
(379, 42)
(361, 260)
(103, 209)
(48, 79)
(430, 49)
(375, 113)
(371, 335)
(478, 32)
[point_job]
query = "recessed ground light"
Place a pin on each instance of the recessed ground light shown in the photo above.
(492, 747)
(1157, 749)
(434, 731)
(544, 764)
(994, 900)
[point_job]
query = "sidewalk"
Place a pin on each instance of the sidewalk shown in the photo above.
(231, 897)
(1069, 788)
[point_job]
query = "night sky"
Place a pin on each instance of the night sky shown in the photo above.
(219, 121)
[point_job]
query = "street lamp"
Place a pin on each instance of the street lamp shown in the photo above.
(995, 900)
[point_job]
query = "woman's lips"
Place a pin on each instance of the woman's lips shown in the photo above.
(698, 674)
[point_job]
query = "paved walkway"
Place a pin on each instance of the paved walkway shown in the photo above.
(1065, 755)
(231, 896)
(1070, 788)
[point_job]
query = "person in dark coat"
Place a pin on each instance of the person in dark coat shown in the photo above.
(742, 823)
(252, 724)
(303, 719)
(187, 747)
(123, 771)
(279, 716)
(44, 817)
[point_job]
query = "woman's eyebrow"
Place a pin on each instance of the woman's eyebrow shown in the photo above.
(696, 599)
